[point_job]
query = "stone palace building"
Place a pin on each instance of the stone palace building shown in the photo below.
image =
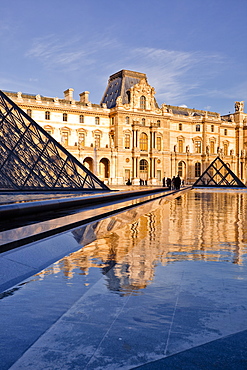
(128, 136)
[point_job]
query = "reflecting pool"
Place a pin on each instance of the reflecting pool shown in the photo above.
(147, 283)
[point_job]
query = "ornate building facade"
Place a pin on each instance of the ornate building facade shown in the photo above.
(128, 136)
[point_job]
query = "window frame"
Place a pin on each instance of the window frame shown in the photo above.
(143, 142)
(143, 102)
(47, 115)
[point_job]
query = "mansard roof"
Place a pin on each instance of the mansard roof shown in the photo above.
(118, 85)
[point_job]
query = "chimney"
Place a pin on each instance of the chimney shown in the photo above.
(68, 94)
(84, 97)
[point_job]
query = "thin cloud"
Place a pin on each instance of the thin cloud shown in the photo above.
(176, 75)
(68, 55)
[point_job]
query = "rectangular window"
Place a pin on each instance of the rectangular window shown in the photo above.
(96, 120)
(225, 131)
(127, 175)
(127, 141)
(212, 128)
(29, 112)
(180, 126)
(81, 139)
(158, 142)
(47, 115)
(65, 117)
(159, 175)
(225, 149)
(180, 146)
(212, 147)
(198, 146)
(81, 118)
(112, 120)
(97, 140)
(198, 127)
(65, 138)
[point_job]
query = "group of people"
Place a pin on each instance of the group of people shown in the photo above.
(173, 183)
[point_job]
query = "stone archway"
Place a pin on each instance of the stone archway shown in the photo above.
(88, 163)
(104, 168)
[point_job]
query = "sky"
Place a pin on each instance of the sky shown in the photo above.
(194, 52)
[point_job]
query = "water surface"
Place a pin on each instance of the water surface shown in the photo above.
(149, 286)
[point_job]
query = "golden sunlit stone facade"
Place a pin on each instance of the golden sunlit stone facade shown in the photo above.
(128, 136)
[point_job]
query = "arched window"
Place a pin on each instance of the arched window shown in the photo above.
(143, 169)
(143, 142)
(143, 122)
(47, 115)
(65, 117)
(158, 123)
(198, 169)
(127, 141)
(143, 102)
(81, 118)
(127, 120)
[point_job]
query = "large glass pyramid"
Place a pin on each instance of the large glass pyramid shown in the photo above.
(218, 174)
(30, 159)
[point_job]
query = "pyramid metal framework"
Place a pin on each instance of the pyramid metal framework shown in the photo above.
(30, 159)
(218, 174)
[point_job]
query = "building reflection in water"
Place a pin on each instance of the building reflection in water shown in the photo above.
(205, 226)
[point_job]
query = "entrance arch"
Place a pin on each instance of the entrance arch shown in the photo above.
(88, 163)
(104, 168)
(143, 169)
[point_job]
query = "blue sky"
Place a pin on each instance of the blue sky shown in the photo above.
(194, 52)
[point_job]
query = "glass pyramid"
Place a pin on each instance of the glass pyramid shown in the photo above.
(30, 159)
(218, 174)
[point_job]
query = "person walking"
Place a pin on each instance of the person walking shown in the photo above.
(168, 183)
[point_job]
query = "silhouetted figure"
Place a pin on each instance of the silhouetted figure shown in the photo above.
(128, 182)
(173, 182)
(177, 182)
(164, 181)
(168, 183)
